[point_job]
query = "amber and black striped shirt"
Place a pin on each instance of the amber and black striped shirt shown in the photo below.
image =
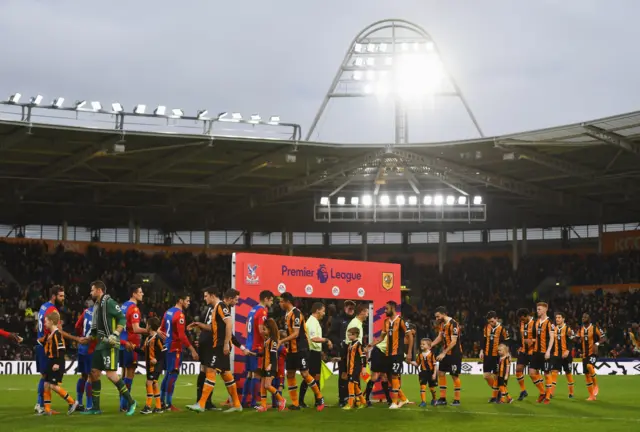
(589, 335)
(54, 347)
(270, 356)
(561, 344)
(449, 330)
(356, 358)
(395, 329)
(503, 368)
(153, 348)
(295, 320)
(543, 335)
(527, 331)
(218, 325)
(493, 336)
(426, 362)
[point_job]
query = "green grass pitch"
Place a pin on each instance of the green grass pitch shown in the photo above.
(616, 410)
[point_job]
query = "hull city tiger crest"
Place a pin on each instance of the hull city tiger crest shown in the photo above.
(387, 280)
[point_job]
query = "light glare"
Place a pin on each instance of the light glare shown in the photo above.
(324, 201)
(413, 200)
(354, 200)
(400, 200)
(438, 200)
(367, 200)
(384, 200)
(428, 199)
(341, 200)
(477, 200)
(451, 200)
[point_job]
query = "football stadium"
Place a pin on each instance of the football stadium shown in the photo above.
(164, 269)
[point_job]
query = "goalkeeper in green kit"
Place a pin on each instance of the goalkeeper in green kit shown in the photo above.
(108, 322)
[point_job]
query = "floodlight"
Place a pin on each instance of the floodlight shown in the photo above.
(200, 115)
(139, 109)
(358, 62)
(438, 200)
(341, 200)
(324, 201)
(382, 47)
(384, 200)
(357, 75)
(451, 200)
(160, 111)
(371, 48)
(416, 46)
(355, 200)
(477, 200)
(80, 104)
(116, 107)
(388, 61)
(430, 46)
(36, 100)
(462, 200)
(177, 112)
(413, 200)
(274, 120)
(14, 98)
(400, 200)
(371, 61)
(371, 75)
(368, 89)
(221, 116)
(236, 117)
(428, 199)
(57, 102)
(358, 48)
(96, 106)
(404, 46)
(255, 118)
(419, 74)
(367, 200)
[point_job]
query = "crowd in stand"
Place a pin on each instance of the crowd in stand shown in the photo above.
(469, 289)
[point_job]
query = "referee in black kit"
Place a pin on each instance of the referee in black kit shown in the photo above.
(337, 336)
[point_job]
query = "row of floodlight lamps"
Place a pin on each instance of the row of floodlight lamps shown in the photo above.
(412, 200)
(361, 48)
(140, 109)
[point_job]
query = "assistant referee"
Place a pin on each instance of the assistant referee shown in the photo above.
(316, 340)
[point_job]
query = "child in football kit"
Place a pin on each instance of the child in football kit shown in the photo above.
(54, 349)
(426, 363)
(356, 360)
(278, 380)
(154, 352)
(503, 375)
(269, 366)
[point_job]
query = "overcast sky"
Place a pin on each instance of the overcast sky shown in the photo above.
(521, 64)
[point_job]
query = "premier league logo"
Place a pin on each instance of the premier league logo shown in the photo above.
(322, 274)
(252, 277)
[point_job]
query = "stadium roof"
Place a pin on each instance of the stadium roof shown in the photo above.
(575, 174)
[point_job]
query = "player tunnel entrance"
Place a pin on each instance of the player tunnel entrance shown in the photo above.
(309, 280)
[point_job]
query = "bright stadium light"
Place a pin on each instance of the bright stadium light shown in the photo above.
(80, 104)
(201, 114)
(477, 200)
(451, 200)
(355, 200)
(341, 200)
(428, 200)
(324, 201)
(36, 100)
(236, 117)
(139, 109)
(357, 75)
(384, 200)
(14, 98)
(274, 120)
(371, 48)
(116, 107)
(382, 47)
(413, 200)
(177, 112)
(358, 48)
(96, 106)
(255, 118)
(161, 110)
(367, 200)
(57, 102)
(400, 200)
(438, 200)
(462, 200)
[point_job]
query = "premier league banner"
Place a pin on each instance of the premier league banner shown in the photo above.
(603, 367)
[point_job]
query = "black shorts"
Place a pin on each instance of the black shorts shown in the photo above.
(426, 378)
(586, 361)
(395, 364)
(539, 363)
(355, 376)
(298, 361)
(562, 364)
(205, 352)
(524, 359)
(502, 381)
(451, 364)
(153, 373)
(53, 377)
(220, 361)
(315, 362)
(490, 364)
(378, 361)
